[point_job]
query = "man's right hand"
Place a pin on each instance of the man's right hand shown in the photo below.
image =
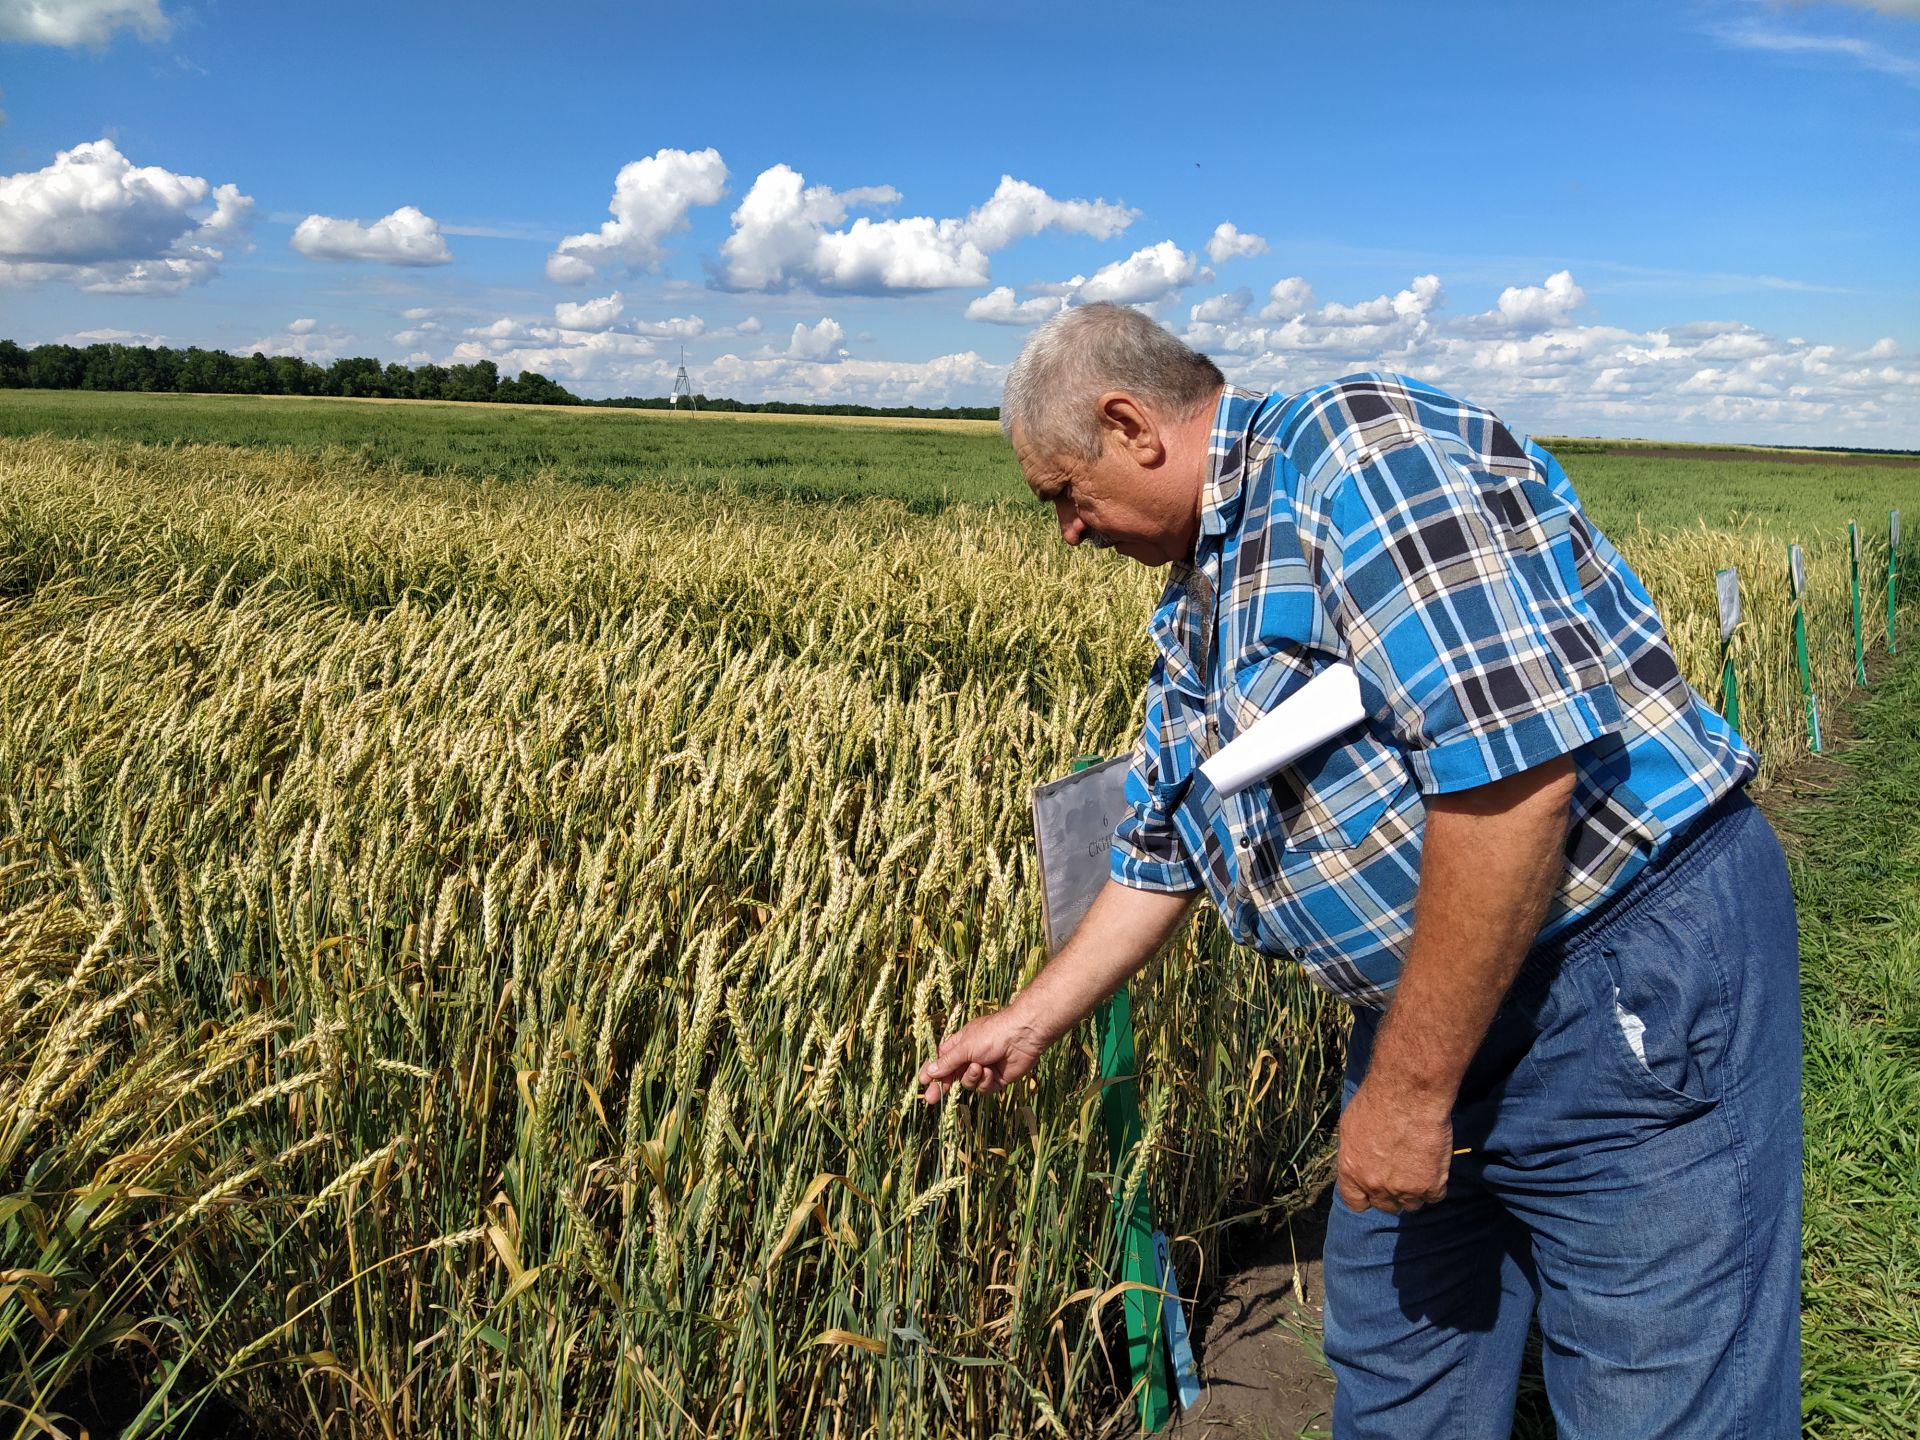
(987, 1054)
(1118, 936)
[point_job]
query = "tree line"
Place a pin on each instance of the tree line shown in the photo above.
(216, 372)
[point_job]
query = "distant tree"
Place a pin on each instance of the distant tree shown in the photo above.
(54, 367)
(399, 380)
(430, 382)
(358, 376)
(477, 381)
(258, 376)
(533, 388)
(292, 371)
(13, 366)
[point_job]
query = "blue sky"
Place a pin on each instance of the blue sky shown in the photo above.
(1692, 219)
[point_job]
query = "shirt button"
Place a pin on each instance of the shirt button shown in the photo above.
(1299, 952)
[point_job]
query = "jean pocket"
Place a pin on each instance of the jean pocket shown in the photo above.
(1658, 1008)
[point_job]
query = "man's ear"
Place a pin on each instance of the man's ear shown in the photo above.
(1125, 420)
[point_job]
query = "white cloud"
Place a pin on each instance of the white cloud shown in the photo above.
(112, 337)
(651, 198)
(816, 342)
(564, 355)
(589, 314)
(1222, 309)
(1287, 298)
(678, 327)
(1384, 326)
(1864, 53)
(1143, 277)
(785, 235)
(95, 220)
(304, 339)
(998, 307)
(1537, 307)
(405, 237)
(1530, 360)
(961, 379)
(813, 366)
(1909, 8)
(587, 341)
(1017, 210)
(79, 22)
(1228, 242)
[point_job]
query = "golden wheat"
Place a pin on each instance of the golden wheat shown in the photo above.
(404, 862)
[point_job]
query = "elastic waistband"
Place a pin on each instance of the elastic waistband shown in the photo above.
(1704, 837)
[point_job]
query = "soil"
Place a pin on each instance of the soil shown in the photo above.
(1257, 1338)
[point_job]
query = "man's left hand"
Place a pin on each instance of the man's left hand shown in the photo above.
(1395, 1151)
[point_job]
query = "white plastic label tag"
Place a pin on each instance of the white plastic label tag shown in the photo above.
(1073, 821)
(1727, 583)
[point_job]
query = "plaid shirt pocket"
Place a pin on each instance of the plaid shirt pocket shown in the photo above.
(1331, 796)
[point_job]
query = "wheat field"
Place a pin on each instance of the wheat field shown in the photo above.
(470, 942)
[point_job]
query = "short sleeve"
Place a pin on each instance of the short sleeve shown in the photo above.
(1456, 593)
(1146, 852)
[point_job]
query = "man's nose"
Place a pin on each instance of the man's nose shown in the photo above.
(1071, 530)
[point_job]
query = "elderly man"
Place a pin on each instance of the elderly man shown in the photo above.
(1573, 1077)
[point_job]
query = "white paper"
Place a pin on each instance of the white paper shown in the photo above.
(1727, 582)
(1893, 527)
(1853, 542)
(1073, 822)
(1316, 712)
(1797, 569)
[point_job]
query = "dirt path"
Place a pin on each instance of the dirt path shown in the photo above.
(1257, 1339)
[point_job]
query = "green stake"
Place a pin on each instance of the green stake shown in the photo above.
(1120, 1110)
(1796, 578)
(1893, 562)
(1726, 584)
(1859, 643)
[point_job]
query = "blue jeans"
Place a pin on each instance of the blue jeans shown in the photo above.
(1634, 1182)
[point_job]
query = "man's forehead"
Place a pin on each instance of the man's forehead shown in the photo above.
(1042, 471)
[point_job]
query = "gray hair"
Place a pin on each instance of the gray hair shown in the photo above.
(1080, 354)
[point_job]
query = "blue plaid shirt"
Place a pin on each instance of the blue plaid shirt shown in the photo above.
(1379, 521)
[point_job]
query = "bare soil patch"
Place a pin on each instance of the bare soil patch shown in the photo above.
(1257, 1338)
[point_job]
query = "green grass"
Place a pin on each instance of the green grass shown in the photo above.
(927, 467)
(1857, 879)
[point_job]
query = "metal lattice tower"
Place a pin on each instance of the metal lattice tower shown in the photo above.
(682, 387)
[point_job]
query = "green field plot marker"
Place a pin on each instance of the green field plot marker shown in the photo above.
(1120, 1109)
(1859, 641)
(1797, 579)
(1726, 584)
(1893, 569)
(1072, 823)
